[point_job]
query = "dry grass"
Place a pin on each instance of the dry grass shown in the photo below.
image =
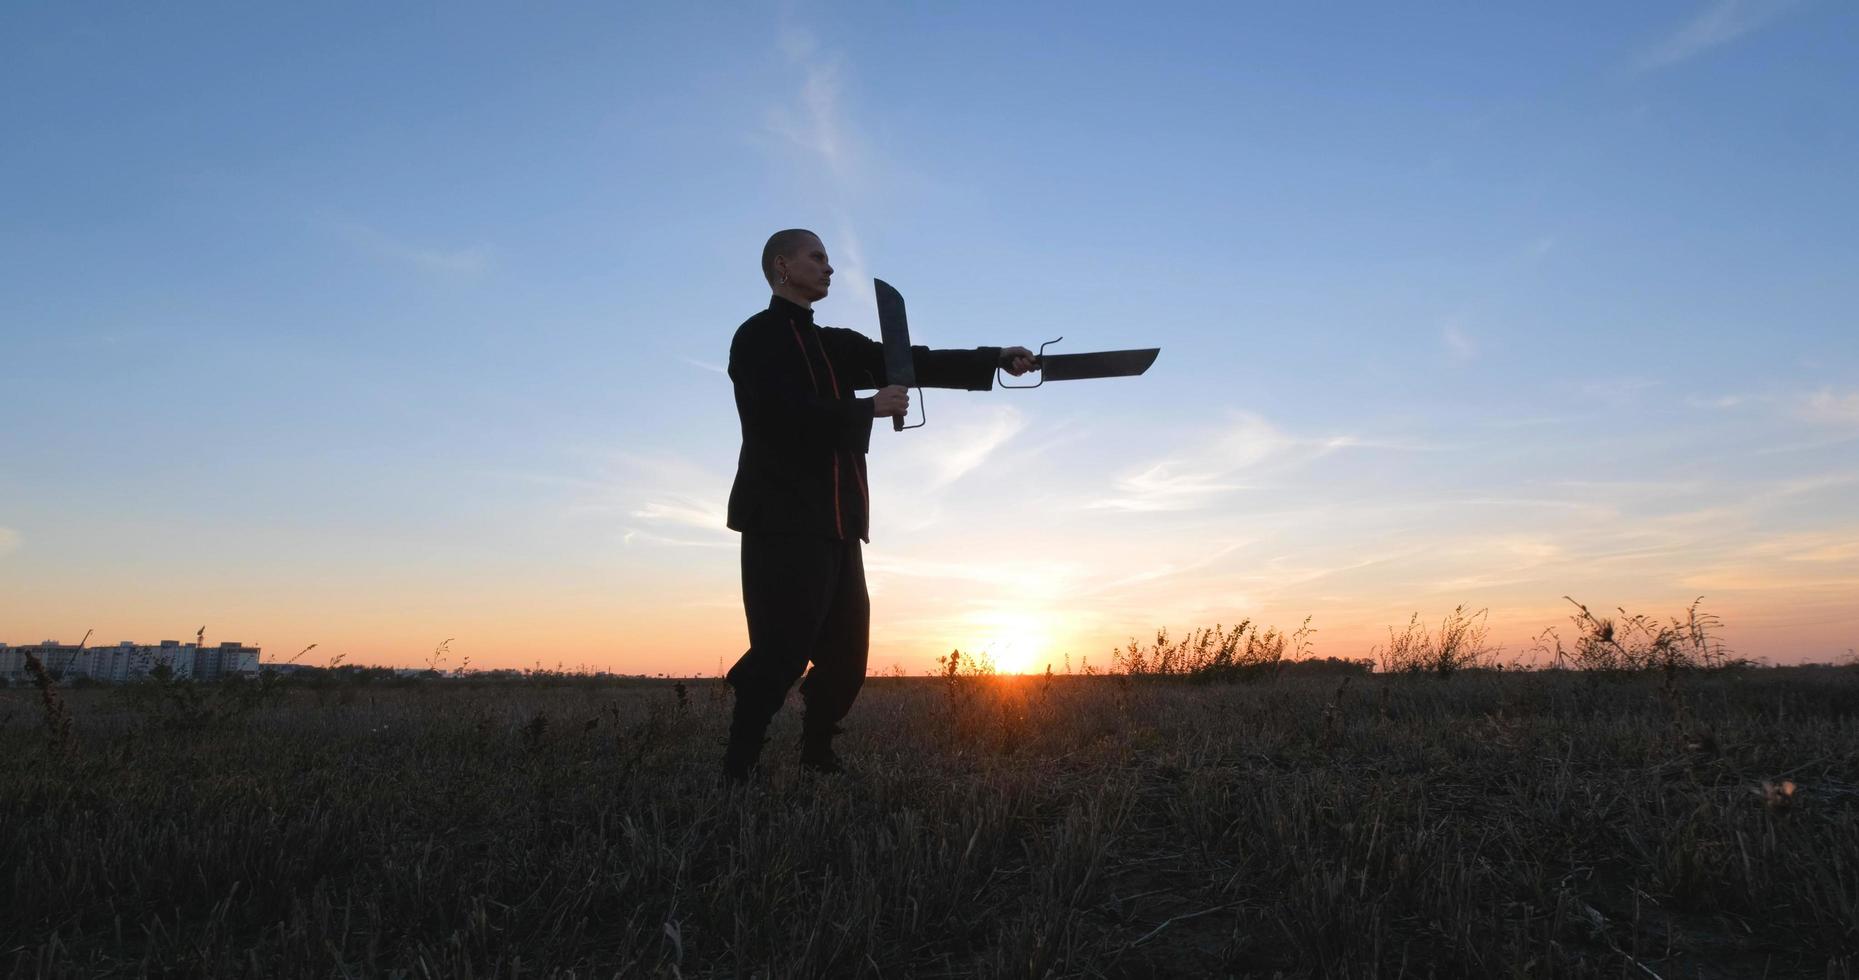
(1246, 652)
(1540, 824)
(1640, 642)
(1460, 644)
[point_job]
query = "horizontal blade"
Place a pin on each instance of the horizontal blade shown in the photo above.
(899, 369)
(1097, 364)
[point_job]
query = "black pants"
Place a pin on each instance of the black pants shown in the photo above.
(806, 601)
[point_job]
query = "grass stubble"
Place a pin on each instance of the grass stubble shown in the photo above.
(1492, 824)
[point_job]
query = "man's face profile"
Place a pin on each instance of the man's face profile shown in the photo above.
(807, 269)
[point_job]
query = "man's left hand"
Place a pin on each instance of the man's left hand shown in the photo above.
(1017, 360)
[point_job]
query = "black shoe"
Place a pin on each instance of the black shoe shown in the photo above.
(817, 755)
(740, 757)
(748, 724)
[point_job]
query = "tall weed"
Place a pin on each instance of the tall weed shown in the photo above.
(1636, 642)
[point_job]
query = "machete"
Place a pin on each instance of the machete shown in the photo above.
(1096, 364)
(899, 369)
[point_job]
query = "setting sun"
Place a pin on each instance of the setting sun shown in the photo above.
(1015, 643)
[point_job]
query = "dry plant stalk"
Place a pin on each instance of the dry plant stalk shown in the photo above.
(1459, 645)
(1637, 642)
(1218, 654)
(58, 732)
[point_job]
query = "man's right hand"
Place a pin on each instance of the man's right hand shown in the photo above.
(894, 400)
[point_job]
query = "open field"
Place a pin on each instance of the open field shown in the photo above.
(1487, 824)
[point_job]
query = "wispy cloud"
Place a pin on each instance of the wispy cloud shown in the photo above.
(850, 272)
(1782, 489)
(819, 127)
(1194, 476)
(9, 540)
(962, 451)
(1616, 392)
(1632, 490)
(1832, 545)
(815, 122)
(683, 509)
(1017, 574)
(1825, 561)
(1831, 407)
(705, 365)
(653, 493)
(1165, 486)
(1189, 478)
(1459, 347)
(913, 476)
(1807, 445)
(1718, 24)
(635, 536)
(1168, 569)
(429, 259)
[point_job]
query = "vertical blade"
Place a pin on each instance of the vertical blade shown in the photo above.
(899, 369)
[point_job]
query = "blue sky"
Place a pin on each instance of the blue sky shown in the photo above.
(369, 326)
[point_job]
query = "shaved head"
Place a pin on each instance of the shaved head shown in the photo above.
(783, 244)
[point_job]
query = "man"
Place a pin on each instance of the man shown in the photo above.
(800, 497)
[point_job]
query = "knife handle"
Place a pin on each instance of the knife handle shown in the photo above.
(897, 421)
(1039, 364)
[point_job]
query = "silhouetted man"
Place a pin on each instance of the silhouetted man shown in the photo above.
(800, 497)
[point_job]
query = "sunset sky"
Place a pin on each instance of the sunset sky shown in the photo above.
(373, 325)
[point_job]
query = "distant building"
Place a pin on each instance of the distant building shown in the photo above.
(60, 659)
(130, 661)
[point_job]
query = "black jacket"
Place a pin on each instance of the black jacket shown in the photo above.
(804, 434)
